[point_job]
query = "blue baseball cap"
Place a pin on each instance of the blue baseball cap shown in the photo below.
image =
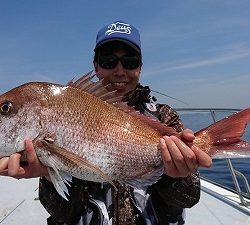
(119, 31)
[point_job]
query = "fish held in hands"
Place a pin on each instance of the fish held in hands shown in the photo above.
(82, 130)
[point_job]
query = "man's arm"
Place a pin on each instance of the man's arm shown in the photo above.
(180, 185)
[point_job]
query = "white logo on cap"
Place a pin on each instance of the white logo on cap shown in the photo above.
(118, 27)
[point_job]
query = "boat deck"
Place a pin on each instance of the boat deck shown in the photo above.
(19, 204)
(218, 206)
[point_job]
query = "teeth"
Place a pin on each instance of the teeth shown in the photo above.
(119, 84)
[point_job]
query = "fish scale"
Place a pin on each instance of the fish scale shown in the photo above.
(110, 134)
(96, 137)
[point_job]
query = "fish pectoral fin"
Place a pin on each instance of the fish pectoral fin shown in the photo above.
(74, 159)
(59, 178)
(59, 181)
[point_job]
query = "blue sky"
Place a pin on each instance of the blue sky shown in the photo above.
(194, 50)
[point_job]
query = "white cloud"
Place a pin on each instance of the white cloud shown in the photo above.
(232, 92)
(225, 58)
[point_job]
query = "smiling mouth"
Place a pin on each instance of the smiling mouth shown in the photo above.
(119, 84)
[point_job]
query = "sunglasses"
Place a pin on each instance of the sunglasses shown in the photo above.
(110, 61)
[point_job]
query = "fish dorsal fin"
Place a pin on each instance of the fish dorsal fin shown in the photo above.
(97, 89)
(83, 81)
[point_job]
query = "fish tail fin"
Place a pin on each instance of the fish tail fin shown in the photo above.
(223, 138)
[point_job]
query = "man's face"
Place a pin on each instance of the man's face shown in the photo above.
(119, 78)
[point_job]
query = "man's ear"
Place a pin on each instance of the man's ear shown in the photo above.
(96, 69)
(95, 66)
(141, 68)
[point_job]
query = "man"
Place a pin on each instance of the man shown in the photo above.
(118, 61)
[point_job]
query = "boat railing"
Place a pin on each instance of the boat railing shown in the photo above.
(234, 172)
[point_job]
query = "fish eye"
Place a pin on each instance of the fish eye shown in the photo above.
(6, 108)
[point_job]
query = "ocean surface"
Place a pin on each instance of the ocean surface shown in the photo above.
(219, 172)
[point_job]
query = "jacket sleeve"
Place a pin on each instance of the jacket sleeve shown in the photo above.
(175, 193)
